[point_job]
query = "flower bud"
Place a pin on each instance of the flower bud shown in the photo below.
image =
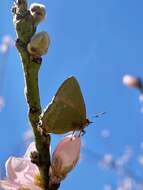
(39, 44)
(131, 81)
(65, 157)
(38, 12)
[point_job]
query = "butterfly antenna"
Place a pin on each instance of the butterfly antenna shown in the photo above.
(99, 114)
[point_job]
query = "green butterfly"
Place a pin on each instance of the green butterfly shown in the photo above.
(67, 111)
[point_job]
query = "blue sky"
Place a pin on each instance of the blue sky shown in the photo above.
(97, 41)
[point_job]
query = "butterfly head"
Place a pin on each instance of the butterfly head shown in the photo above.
(87, 122)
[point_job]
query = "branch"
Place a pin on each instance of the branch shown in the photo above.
(25, 29)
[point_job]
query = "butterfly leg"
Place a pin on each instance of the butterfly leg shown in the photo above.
(73, 133)
(81, 133)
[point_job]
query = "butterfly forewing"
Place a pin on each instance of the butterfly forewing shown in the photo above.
(70, 93)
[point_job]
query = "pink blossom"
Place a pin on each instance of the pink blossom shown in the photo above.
(65, 157)
(21, 173)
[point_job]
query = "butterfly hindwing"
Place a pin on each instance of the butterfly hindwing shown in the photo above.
(61, 118)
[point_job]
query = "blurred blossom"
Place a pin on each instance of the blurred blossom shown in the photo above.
(141, 109)
(105, 133)
(21, 173)
(141, 102)
(135, 82)
(107, 187)
(140, 160)
(4, 46)
(121, 161)
(126, 184)
(6, 42)
(131, 81)
(141, 145)
(2, 103)
(107, 161)
(28, 136)
(141, 98)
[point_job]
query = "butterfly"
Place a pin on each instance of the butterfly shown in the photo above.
(67, 111)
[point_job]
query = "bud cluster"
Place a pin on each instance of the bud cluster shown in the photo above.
(39, 43)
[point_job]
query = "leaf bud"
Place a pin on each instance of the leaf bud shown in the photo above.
(39, 44)
(38, 11)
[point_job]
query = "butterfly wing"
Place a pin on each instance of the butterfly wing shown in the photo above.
(61, 118)
(70, 93)
(67, 109)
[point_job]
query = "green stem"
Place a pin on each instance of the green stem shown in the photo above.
(25, 29)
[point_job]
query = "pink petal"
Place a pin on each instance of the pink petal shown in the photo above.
(10, 172)
(8, 185)
(65, 156)
(34, 187)
(30, 149)
(68, 149)
(21, 171)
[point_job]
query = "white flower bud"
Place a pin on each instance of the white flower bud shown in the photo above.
(131, 81)
(38, 11)
(65, 157)
(39, 44)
